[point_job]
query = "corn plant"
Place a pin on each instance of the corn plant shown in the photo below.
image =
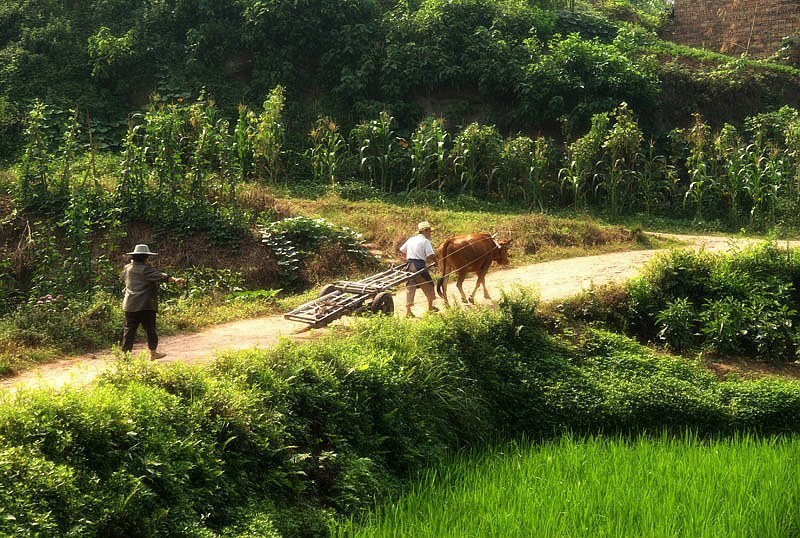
(573, 178)
(35, 170)
(476, 154)
(620, 147)
(163, 140)
(328, 151)
(68, 150)
(526, 166)
(697, 163)
(242, 147)
(764, 186)
(735, 171)
(428, 153)
(582, 157)
(377, 150)
(654, 178)
(792, 140)
(131, 189)
(226, 178)
(203, 148)
(267, 135)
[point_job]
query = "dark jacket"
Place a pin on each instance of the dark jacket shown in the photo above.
(141, 286)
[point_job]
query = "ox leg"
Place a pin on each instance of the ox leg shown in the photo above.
(460, 287)
(477, 285)
(485, 291)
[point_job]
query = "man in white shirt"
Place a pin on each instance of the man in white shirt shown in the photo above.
(419, 253)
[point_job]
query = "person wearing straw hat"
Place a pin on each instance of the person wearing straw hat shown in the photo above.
(140, 303)
(419, 253)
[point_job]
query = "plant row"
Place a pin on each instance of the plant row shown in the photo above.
(279, 442)
(181, 165)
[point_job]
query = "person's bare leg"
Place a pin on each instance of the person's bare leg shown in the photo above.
(430, 294)
(410, 292)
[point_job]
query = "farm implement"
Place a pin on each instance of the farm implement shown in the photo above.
(372, 294)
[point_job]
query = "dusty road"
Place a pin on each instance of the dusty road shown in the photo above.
(555, 279)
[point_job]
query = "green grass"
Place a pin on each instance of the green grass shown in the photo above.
(669, 47)
(663, 487)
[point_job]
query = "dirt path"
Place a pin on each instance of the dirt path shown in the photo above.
(555, 279)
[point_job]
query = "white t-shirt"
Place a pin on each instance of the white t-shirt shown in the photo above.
(417, 247)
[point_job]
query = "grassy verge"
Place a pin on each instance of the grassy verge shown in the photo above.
(41, 333)
(536, 236)
(657, 487)
(282, 442)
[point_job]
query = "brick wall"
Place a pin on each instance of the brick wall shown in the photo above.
(735, 26)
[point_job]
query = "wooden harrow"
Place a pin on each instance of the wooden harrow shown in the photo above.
(350, 298)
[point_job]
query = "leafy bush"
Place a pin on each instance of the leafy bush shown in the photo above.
(278, 442)
(294, 241)
(578, 78)
(743, 303)
(67, 324)
(676, 324)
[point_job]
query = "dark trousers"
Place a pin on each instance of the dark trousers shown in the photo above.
(145, 318)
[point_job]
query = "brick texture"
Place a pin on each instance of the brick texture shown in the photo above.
(734, 27)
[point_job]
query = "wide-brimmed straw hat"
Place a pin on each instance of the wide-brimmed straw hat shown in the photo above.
(142, 249)
(424, 225)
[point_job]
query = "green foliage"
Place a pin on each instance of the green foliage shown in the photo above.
(578, 78)
(279, 442)
(676, 324)
(736, 304)
(476, 154)
(464, 43)
(108, 53)
(348, 60)
(293, 241)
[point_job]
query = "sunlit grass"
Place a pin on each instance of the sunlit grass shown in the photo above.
(665, 487)
(536, 236)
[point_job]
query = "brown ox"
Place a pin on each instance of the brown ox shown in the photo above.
(472, 253)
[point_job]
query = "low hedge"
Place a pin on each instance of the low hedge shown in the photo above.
(279, 442)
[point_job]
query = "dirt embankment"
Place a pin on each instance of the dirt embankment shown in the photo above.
(554, 280)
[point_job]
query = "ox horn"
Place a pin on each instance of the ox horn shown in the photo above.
(494, 235)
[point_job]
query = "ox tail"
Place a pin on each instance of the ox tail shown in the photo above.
(440, 286)
(443, 253)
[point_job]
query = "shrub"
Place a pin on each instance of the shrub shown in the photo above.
(741, 303)
(67, 324)
(279, 442)
(294, 241)
(676, 324)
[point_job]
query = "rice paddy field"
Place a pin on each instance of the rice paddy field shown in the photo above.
(601, 487)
